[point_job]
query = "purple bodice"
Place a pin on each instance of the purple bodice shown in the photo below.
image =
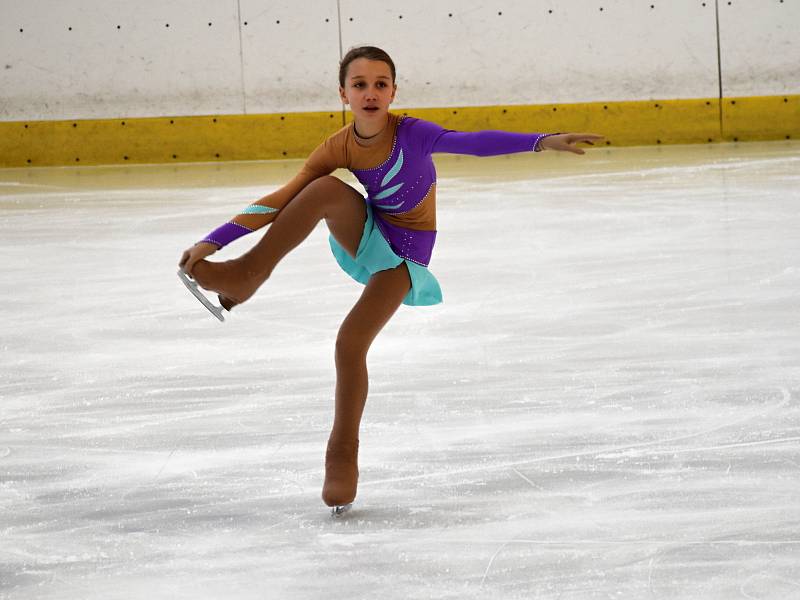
(405, 178)
(397, 186)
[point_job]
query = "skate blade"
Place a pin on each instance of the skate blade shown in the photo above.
(191, 285)
(338, 511)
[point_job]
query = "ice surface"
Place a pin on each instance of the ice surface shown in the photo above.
(607, 405)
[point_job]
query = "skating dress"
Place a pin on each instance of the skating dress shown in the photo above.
(396, 169)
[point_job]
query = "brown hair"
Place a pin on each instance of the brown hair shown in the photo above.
(368, 52)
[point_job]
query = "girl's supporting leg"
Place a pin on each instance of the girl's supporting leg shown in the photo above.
(327, 198)
(380, 299)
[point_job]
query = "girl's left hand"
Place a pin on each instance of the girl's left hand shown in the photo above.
(197, 252)
(567, 141)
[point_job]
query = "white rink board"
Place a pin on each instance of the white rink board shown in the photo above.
(760, 47)
(142, 69)
(291, 56)
(121, 59)
(517, 52)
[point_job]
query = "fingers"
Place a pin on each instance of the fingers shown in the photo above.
(585, 137)
(188, 260)
(194, 254)
(190, 265)
(569, 146)
(577, 138)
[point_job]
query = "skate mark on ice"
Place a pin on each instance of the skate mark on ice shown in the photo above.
(667, 546)
(787, 397)
(765, 575)
(161, 470)
(532, 484)
(491, 560)
(166, 462)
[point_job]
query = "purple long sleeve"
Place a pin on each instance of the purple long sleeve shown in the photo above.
(487, 143)
(226, 233)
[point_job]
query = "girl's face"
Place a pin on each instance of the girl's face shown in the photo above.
(368, 89)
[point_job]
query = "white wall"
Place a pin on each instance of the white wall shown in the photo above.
(291, 65)
(760, 47)
(527, 55)
(144, 68)
(259, 56)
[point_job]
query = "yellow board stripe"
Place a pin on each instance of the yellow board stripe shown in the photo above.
(295, 135)
(164, 139)
(761, 118)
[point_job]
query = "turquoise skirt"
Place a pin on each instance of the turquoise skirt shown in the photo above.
(374, 254)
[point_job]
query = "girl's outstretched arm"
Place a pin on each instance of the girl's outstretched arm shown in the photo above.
(492, 142)
(488, 142)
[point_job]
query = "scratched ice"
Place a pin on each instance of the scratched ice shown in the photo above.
(606, 405)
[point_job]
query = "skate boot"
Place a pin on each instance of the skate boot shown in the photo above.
(234, 280)
(226, 303)
(341, 475)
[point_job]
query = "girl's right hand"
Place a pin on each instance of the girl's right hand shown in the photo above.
(197, 252)
(566, 141)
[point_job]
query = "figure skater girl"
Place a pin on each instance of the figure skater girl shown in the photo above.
(383, 241)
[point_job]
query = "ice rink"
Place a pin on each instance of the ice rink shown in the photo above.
(607, 404)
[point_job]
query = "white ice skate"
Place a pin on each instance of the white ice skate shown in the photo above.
(338, 511)
(191, 285)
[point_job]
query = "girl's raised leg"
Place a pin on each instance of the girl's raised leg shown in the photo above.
(327, 198)
(380, 299)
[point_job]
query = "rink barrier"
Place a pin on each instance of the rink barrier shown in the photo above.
(294, 135)
(761, 118)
